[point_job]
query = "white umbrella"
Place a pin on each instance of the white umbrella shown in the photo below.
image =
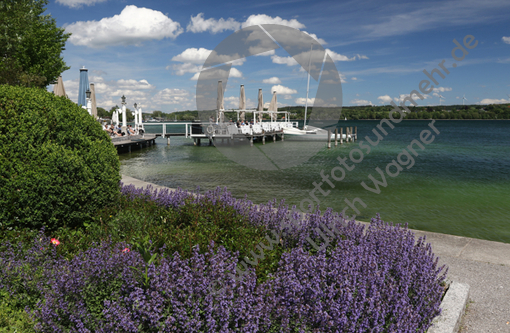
(58, 89)
(93, 100)
(219, 101)
(273, 106)
(260, 107)
(242, 103)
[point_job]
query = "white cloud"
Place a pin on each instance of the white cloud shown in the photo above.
(386, 99)
(302, 100)
(272, 80)
(130, 84)
(354, 78)
(131, 27)
(400, 98)
(314, 36)
(108, 93)
(199, 56)
(79, 3)
(231, 102)
(289, 61)
(278, 104)
(494, 101)
(193, 55)
(198, 24)
(282, 90)
(265, 19)
(192, 60)
(506, 40)
(442, 89)
(234, 72)
(171, 96)
(340, 57)
(361, 102)
(181, 69)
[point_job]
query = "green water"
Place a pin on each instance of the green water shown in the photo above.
(460, 183)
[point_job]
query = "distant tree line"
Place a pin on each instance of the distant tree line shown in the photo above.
(493, 111)
(367, 112)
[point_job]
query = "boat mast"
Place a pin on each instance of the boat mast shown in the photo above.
(308, 85)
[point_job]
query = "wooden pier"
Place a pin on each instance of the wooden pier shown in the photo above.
(214, 133)
(127, 143)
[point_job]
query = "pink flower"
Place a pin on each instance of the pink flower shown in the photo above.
(55, 241)
(125, 250)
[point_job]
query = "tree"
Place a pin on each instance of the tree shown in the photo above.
(30, 44)
(129, 115)
(102, 113)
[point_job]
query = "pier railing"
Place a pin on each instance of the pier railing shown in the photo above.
(179, 129)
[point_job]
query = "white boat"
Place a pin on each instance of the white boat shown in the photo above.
(310, 132)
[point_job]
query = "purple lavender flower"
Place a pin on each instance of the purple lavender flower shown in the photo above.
(335, 276)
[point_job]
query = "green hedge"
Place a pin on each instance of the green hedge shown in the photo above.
(57, 165)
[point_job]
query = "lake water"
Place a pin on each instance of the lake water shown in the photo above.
(460, 183)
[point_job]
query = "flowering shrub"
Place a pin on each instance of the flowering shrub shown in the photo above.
(373, 280)
(380, 282)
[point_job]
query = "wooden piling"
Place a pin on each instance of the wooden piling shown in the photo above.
(329, 139)
(356, 133)
(341, 135)
(251, 141)
(263, 139)
(336, 137)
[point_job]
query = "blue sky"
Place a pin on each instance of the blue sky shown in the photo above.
(150, 51)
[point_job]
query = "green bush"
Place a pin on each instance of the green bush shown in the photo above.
(57, 165)
(12, 319)
(178, 229)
